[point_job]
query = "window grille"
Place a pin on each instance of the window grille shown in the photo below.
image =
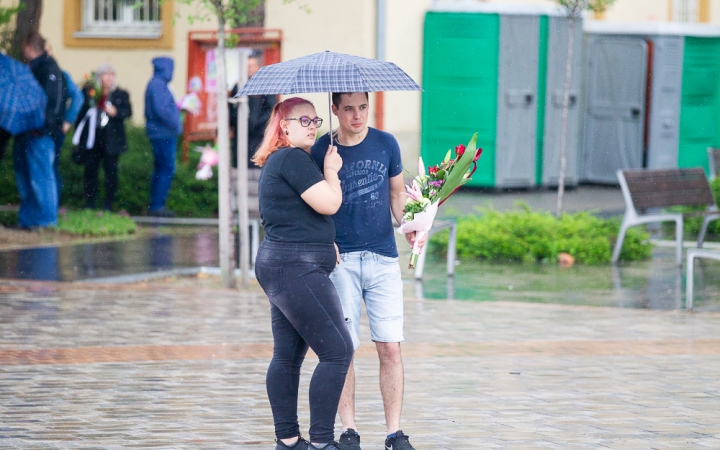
(686, 11)
(139, 19)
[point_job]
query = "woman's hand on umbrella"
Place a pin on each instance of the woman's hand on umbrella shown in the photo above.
(333, 161)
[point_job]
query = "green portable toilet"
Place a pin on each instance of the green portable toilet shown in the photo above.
(700, 100)
(484, 71)
(652, 97)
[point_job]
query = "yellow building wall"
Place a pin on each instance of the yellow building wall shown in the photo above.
(343, 26)
(132, 63)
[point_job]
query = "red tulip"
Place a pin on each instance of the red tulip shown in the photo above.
(477, 155)
(459, 150)
(433, 170)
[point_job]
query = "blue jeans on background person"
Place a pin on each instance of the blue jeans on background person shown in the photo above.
(164, 152)
(33, 158)
(58, 140)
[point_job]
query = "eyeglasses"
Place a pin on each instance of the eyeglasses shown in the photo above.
(306, 121)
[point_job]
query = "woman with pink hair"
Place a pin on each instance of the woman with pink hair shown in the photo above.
(293, 267)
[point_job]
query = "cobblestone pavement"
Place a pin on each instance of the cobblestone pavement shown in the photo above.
(182, 367)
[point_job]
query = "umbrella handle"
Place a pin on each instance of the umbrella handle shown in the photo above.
(330, 114)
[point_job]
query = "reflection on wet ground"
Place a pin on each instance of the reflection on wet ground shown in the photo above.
(159, 252)
(655, 284)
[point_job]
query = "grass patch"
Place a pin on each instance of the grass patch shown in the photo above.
(96, 223)
(522, 235)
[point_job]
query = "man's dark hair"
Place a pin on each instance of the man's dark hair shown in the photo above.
(35, 41)
(337, 97)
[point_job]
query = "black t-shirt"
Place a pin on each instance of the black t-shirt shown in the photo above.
(288, 172)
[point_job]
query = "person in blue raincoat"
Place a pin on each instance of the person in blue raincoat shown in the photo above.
(163, 126)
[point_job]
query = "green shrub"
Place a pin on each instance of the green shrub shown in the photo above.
(188, 196)
(692, 224)
(95, 223)
(524, 235)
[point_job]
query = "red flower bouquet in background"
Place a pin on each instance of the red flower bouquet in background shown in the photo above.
(430, 189)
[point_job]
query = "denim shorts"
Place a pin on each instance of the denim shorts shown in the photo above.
(377, 280)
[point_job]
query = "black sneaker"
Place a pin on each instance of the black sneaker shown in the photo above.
(350, 440)
(401, 441)
(301, 444)
(330, 446)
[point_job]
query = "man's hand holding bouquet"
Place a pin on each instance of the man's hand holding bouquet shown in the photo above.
(430, 189)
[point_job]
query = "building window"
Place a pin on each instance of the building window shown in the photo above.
(127, 19)
(686, 11)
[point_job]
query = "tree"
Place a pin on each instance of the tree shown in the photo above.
(227, 12)
(573, 10)
(28, 21)
(7, 26)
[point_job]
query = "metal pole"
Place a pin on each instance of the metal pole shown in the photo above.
(380, 24)
(330, 114)
(226, 238)
(242, 174)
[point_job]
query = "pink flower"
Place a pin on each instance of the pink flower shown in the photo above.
(477, 155)
(459, 150)
(414, 192)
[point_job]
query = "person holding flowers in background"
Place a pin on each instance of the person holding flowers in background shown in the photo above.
(105, 110)
(373, 192)
(293, 266)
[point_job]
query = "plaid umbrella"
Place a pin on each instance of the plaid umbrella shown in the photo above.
(22, 100)
(328, 72)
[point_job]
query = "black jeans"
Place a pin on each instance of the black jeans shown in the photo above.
(305, 311)
(92, 167)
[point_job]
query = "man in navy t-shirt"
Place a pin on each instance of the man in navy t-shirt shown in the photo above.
(373, 189)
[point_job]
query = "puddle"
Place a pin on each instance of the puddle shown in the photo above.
(652, 284)
(109, 259)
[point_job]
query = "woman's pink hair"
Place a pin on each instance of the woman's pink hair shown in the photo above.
(275, 137)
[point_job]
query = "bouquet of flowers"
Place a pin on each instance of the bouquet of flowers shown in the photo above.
(430, 189)
(92, 88)
(190, 103)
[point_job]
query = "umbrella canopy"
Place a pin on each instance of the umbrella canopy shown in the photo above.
(328, 72)
(22, 100)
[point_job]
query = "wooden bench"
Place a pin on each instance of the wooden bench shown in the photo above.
(644, 190)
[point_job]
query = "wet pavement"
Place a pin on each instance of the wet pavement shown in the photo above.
(162, 251)
(167, 249)
(654, 284)
(507, 356)
(159, 366)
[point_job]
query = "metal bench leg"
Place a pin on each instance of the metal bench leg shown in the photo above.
(451, 250)
(679, 240)
(690, 279)
(254, 239)
(703, 229)
(618, 244)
